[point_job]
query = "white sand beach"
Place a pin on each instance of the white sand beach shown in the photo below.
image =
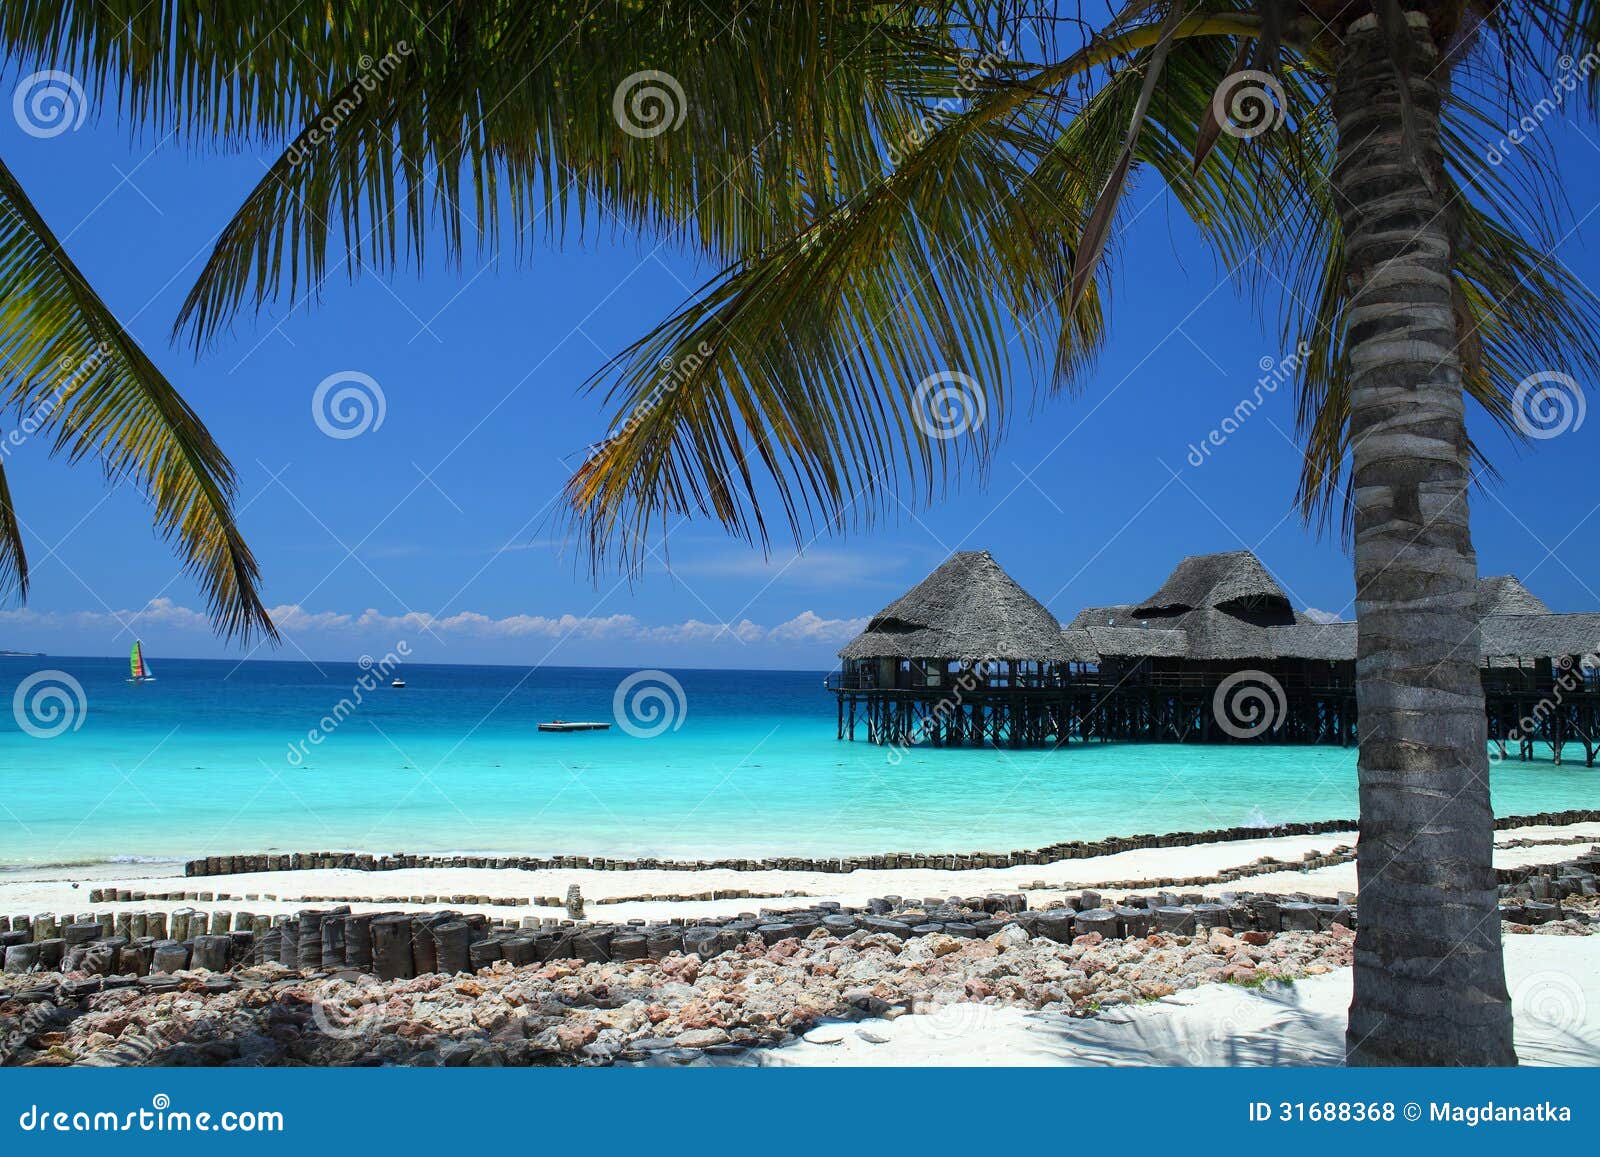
(1554, 983)
(67, 890)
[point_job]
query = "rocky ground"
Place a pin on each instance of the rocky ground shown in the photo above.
(680, 1009)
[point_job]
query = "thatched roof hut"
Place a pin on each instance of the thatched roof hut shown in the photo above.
(1505, 595)
(1212, 608)
(1509, 638)
(967, 609)
(1154, 669)
(1234, 582)
(1222, 607)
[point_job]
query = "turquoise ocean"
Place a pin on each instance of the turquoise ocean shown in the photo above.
(217, 757)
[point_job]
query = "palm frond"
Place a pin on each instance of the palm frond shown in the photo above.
(499, 123)
(70, 370)
(1540, 41)
(13, 554)
(772, 331)
(1097, 226)
(494, 121)
(1520, 311)
(815, 369)
(806, 369)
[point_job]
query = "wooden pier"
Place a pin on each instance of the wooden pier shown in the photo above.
(1216, 655)
(1520, 722)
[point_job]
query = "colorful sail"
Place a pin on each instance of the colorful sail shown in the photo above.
(140, 669)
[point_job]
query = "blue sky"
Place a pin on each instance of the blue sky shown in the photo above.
(442, 526)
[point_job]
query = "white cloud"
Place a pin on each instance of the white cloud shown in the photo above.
(293, 619)
(166, 613)
(1317, 616)
(809, 627)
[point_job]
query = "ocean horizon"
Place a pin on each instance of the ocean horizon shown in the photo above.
(224, 756)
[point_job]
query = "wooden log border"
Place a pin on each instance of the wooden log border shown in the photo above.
(963, 861)
(398, 945)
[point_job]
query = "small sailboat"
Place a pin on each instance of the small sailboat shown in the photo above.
(141, 671)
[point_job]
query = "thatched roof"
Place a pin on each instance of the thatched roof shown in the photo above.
(968, 608)
(1122, 615)
(1086, 645)
(1509, 637)
(1220, 607)
(1505, 595)
(1232, 580)
(1330, 641)
(1213, 607)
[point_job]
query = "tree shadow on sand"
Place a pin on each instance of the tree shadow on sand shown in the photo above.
(1219, 1025)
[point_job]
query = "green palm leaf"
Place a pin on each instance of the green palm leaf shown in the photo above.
(13, 554)
(495, 123)
(797, 374)
(71, 371)
(810, 375)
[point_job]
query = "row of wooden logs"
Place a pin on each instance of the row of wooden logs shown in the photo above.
(396, 945)
(1070, 850)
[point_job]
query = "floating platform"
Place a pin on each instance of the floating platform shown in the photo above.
(563, 725)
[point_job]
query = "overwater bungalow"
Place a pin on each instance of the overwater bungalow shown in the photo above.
(1216, 654)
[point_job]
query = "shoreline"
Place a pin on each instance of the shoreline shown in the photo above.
(242, 863)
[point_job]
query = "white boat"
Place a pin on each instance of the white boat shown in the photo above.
(140, 671)
(397, 682)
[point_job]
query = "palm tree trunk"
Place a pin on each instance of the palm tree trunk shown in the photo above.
(1429, 978)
